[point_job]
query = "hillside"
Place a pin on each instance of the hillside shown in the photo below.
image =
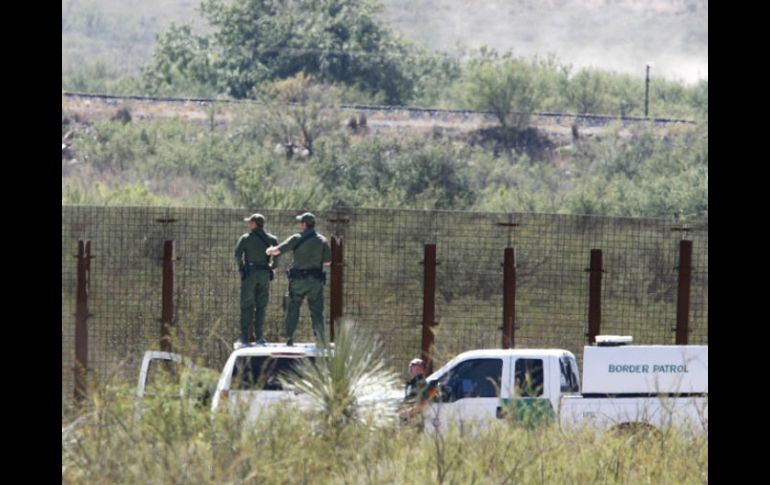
(227, 156)
(115, 37)
(140, 153)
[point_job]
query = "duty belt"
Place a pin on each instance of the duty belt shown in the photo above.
(295, 273)
(258, 266)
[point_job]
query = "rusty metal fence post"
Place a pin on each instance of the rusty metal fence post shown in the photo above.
(167, 297)
(509, 298)
(428, 305)
(336, 285)
(81, 315)
(595, 295)
(683, 293)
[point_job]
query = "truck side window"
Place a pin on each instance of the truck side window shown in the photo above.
(574, 367)
(475, 378)
(563, 375)
(569, 381)
(529, 377)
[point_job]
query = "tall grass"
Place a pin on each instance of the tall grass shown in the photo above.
(174, 442)
(165, 439)
(348, 386)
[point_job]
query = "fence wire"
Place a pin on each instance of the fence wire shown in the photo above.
(383, 280)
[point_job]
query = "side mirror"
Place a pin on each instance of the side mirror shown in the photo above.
(445, 393)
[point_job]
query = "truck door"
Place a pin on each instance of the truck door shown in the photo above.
(169, 375)
(529, 404)
(468, 392)
(160, 373)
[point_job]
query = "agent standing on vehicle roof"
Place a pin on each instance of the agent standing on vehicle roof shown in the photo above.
(256, 270)
(306, 275)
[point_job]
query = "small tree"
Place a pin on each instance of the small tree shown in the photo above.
(248, 42)
(699, 99)
(503, 86)
(628, 95)
(587, 91)
(297, 111)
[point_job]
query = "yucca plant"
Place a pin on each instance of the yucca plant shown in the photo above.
(349, 384)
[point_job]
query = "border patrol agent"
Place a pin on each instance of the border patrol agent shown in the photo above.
(306, 275)
(256, 273)
(415, 387)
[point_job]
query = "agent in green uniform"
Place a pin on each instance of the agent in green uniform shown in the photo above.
(306, 275)
(256, 270)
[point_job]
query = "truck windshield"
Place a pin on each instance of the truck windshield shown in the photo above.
(253, 373)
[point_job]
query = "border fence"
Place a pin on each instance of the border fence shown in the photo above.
(430, 282)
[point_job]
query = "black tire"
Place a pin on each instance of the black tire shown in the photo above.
(636, 429)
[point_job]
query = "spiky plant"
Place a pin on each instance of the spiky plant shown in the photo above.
(350, 383)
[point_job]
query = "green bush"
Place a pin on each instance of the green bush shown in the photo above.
(413, 174)
(253, 41)
(639, 171)
(503, 86)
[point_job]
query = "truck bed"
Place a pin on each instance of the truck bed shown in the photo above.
(608, 412)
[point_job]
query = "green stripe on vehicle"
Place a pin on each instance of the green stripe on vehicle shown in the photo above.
(531, 412)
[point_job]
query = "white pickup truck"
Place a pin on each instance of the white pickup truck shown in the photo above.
(623, 386)
(250, 377)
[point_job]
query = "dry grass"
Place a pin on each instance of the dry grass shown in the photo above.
(173, 442)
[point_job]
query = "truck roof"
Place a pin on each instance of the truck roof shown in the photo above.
(491, 353)
(278, 350)
(513, 352)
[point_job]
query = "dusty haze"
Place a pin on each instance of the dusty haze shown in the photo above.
(620, 35)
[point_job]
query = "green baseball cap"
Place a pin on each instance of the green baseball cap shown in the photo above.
(255, 217)
(307, 218)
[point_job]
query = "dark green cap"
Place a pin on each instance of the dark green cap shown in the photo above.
(307, 218)
(255, 217)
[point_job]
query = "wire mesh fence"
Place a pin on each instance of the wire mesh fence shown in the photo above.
(383, 280)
